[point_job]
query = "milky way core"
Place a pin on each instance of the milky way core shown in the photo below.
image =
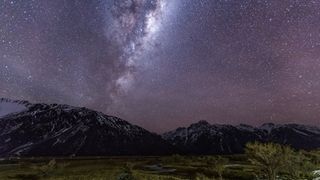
(166, 63)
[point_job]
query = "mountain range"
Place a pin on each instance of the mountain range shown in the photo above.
(204, 138)
(28, 129)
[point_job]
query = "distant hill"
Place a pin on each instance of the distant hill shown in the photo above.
(28, 129)
(204, 138)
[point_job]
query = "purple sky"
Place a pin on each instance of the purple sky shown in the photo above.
(166, 63)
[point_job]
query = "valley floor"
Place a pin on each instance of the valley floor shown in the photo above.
(124, 168)
(176, 167)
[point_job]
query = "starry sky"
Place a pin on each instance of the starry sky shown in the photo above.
(162, 64)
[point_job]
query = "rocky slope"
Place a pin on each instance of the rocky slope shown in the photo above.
(60, 130)
(204, 138)
(28, 129)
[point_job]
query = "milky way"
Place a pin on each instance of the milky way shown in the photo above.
(166, 63)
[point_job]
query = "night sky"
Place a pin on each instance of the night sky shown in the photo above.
(166, 63)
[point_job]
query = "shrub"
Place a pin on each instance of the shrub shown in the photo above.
(273, 160)
(216, 164)
(126, 173)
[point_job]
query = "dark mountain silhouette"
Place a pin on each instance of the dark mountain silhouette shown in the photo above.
(62, 130)
(28, 129)
(204, 138)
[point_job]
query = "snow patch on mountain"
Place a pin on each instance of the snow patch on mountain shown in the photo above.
(268, 127)
(204, 138)
(245, 127)
(62, 130)
(9, 107)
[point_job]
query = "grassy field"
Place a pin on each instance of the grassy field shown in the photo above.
(172, 167)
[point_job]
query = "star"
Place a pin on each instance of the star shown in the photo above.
(162, 64)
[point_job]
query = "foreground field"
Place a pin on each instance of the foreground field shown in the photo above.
(173, 167)
(261, 161)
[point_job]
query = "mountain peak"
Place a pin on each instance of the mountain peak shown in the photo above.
(201, 123)
(268, 127)
(202, 138)
(63, 130)
(245, 127)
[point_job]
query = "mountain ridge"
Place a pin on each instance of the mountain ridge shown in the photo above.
(61, 130)
(205, 138)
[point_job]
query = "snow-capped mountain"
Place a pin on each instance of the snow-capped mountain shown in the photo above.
(60, 130)
(204, 138)
(28, 129)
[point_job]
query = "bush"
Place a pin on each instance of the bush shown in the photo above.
(216, 164)
(273, 160)
(126, 173)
